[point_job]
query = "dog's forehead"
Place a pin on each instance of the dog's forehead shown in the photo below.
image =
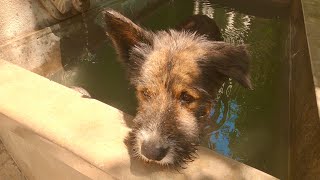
(175, 55)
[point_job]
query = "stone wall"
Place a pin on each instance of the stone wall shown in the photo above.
(305, 124)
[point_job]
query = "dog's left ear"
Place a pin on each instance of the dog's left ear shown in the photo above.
(124, 34)
(231, 61)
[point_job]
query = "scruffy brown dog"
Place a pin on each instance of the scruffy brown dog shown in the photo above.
(176, 74)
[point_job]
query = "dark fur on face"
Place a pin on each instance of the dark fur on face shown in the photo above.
(176, 74)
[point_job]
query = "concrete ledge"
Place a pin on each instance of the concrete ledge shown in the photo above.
(311, 18)
(54, 133)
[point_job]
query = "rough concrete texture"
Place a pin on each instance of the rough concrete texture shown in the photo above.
(38, 52)
(311, 16)
(20, 17)
(91, 130)
(8, 168)
(305, 124)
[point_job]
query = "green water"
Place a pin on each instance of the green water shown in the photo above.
(248, 126)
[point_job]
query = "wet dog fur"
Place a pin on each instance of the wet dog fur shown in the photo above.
(176, 74)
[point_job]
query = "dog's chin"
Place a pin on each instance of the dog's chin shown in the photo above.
(170, 160)
(167, 161)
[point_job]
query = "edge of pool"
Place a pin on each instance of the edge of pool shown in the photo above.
(52, 132)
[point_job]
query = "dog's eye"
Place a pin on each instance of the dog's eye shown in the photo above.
(146, 93)
(186, 98)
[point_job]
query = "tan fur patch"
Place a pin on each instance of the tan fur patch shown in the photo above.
(187, 123)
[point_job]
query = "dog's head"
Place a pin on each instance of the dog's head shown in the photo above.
(176, 75)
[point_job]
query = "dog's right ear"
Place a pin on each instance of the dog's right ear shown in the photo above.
(230, 61)
(124, 33)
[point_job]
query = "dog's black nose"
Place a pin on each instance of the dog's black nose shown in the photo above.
(153, 151)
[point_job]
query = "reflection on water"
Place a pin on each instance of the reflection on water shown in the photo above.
(249, 126)
(224, 115)
(235, 29)
(203, 7)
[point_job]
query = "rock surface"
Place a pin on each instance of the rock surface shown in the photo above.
(8, 168)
